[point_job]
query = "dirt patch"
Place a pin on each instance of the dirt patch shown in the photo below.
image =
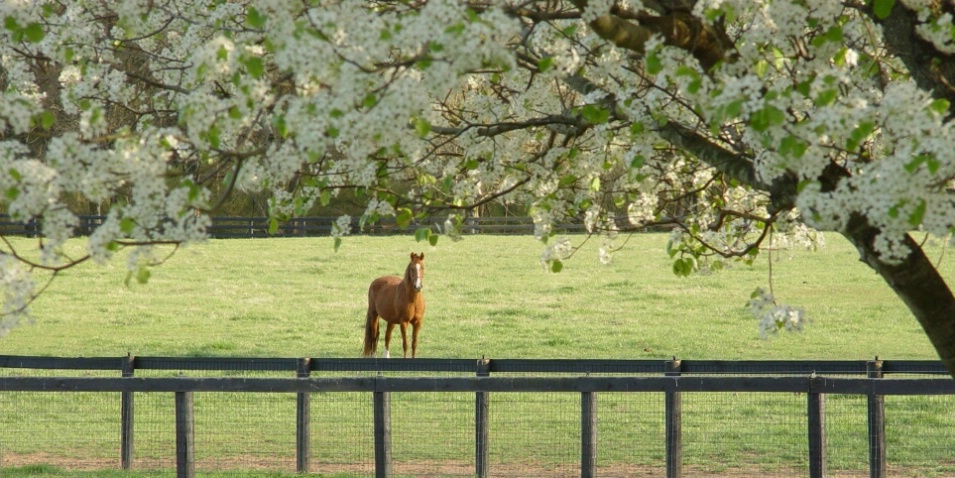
(423, 468)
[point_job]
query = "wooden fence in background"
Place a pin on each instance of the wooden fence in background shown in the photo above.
(229, 227)
(815, 379)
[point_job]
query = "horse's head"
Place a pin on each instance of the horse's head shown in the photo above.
(415, 271)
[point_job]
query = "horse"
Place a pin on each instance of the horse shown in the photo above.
(399, 302)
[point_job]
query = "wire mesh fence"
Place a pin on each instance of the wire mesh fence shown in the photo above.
(432, 433)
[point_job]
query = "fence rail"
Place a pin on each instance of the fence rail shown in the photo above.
(815, 385)
(227, 227)
(589, 379)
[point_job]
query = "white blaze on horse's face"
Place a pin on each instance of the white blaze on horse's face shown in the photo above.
(418, 282)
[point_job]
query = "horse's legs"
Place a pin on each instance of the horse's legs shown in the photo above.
(404, 338)
(388, 339)
(415, 327)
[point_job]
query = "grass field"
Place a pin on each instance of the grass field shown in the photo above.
(487, 296)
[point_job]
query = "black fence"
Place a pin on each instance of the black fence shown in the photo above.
(226, 227)
(459, 417)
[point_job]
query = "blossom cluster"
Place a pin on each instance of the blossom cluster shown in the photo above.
(443, 104)
(774, 318)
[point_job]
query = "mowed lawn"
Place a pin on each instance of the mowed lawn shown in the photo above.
(486, 295)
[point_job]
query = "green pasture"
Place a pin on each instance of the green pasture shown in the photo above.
(487, 296)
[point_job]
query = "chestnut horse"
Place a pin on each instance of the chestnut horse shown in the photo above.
(399, 302)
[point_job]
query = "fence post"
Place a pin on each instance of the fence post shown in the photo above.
(126, 416)
(674, 424)
(588, 434)
(817, 432)
(876, 408)
(185, 437)
(481, 422)
(303, 420)
(382, 435)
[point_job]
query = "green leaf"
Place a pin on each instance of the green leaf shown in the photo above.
(422, 127)
(255, 66)
(882, 8)
(939, 106)
(834, 34)
(369, 101)
(34, 33)
(638, 161)
(142, 275)
(12, 193)
(595, 114)
(916, 217)
(636, 128)
(802, 185)
(894, 211)
(804, 87)
(213, 136)
(545, 63)
(281, 127)
(254, 18)
(404, 217)
(566, 181)
(826, 97)
(654, 64)
(127, 225)
(424, 62)
(10, 23)
(273, 225)
(734, 109)
(422, 234)
(914, 164)
(455, 30)
(770, 115)
(556, 265)
(683, 267)
(792, 146)
(859, 134)
(235, 113)
(47, 119)
(433, 239)
(338, 243)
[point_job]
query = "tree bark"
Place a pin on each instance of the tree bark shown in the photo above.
(917, 282)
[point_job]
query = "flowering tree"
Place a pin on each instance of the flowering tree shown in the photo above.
(739, 123)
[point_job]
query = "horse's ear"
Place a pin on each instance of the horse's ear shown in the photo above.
(413, 256)
(421, 256)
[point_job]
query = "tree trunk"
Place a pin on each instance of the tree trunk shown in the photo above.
(918, 283)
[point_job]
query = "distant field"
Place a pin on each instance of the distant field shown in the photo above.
(487, 296)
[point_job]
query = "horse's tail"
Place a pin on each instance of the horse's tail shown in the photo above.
(371, 332)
